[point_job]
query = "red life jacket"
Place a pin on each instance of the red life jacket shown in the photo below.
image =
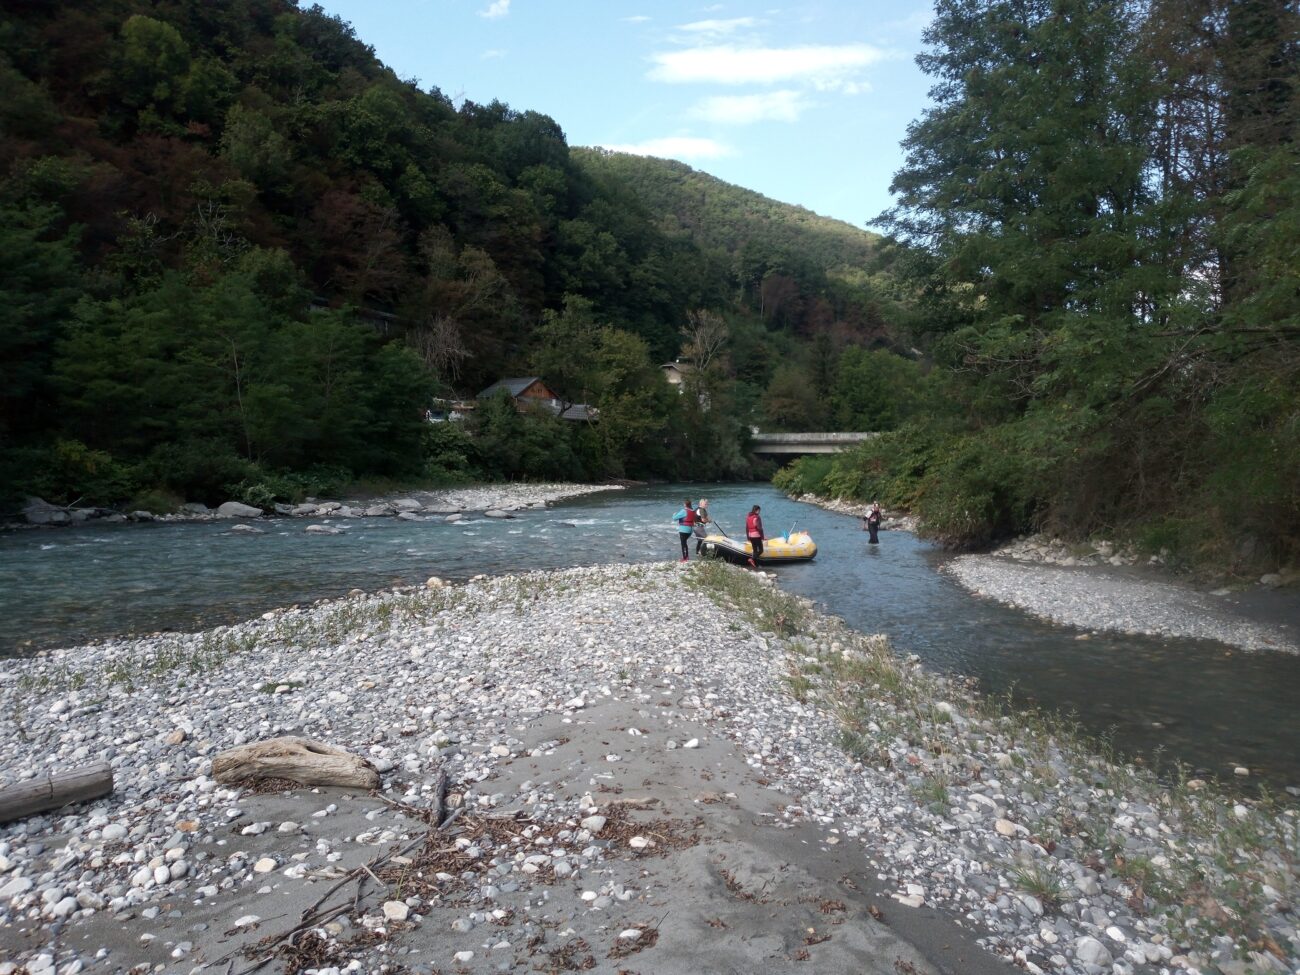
(753, 526)
(689, 520)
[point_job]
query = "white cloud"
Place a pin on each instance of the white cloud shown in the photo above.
(490, 53)
(718, 26)
(824, 66)
(636, 19)
(781, 106)
(675, 147)
(497, 8)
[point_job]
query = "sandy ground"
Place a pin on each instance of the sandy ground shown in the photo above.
(737, 893)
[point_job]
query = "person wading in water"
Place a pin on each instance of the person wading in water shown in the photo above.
(874, 517)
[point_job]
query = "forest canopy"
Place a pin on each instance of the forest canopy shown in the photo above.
(243, 257)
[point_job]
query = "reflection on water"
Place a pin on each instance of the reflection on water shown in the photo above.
(1199, 702)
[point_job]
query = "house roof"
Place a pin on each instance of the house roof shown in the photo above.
(513, 386)
(579, 411)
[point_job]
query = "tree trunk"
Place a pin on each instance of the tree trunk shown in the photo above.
(299, 760)
(55, 790)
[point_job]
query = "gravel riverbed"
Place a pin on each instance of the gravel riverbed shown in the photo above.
(657, 768)
(1098, 599)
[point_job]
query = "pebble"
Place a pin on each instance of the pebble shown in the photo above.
(396, 910)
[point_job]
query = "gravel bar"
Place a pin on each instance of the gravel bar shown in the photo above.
(655, 768)
(1097, 599)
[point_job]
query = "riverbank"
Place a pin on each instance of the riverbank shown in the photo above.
(1103, 600)
(1097, 587)
(415, 505)
(804, 796)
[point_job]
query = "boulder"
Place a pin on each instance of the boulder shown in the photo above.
(299, 760)
(247, 530)
(324, 530)
(195, 508)
(235, 509)
(40, 512)
(379, 511)
(303, 509)
(409, 516)
(407, 504)
(497, 513)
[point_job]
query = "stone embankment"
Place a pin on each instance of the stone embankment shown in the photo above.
(656, 768)
(494, 500)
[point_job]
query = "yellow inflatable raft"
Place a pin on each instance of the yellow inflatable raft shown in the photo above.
(796, 547)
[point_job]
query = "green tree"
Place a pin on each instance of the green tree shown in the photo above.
(1026, 181)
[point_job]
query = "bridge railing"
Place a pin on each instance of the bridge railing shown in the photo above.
(806, 443)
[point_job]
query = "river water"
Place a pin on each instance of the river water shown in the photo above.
(1209, 706)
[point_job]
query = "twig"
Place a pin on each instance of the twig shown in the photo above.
(317, 921)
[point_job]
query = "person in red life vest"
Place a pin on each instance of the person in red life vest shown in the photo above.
(754, 532)
(685, 519)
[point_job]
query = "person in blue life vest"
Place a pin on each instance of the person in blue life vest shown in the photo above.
(754, 532)
(685, 519)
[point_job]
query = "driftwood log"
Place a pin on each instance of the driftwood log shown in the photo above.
(54, 790)
(299, 760)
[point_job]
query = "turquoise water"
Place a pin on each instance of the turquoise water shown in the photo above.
(1199, 702)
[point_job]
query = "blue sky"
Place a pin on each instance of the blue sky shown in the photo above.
(805, 103)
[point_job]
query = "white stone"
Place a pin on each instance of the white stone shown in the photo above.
(396, 910)
(113, 832)
(629, 934)
(19, 885)
(640, 842)
(693, 743)
(1090, 951)
(594, 823)
(246, 920)
(264, 865)
(463, 957)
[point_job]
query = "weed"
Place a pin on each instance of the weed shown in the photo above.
(1038, 879)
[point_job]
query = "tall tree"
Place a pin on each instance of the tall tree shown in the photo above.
(1026, 180)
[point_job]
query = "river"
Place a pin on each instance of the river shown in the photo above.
(1209, 706)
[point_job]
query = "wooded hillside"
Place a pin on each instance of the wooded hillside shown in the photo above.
(241, 254)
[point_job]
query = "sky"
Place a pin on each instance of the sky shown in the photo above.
(805, 103)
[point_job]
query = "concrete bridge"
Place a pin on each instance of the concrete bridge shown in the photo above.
(806, 443)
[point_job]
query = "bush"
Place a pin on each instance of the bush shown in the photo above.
(65, 472)
(448, 452)
(199, 470)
